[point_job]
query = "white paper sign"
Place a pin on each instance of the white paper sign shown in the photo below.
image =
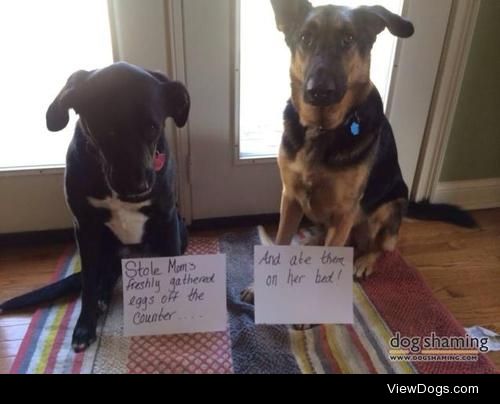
(174, 295)
(303, 285)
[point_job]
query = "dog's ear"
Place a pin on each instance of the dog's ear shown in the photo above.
(58, 113)
(290, 14)
(378, 18)
(178, 102)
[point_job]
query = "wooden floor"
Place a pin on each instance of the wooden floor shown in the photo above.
(461, 266)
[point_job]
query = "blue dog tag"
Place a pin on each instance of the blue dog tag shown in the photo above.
(355, 129)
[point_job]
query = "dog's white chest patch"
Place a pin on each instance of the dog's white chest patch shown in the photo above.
(127, 222)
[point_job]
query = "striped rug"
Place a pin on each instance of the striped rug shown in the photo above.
(46, 348)
(395, 299)
(359, 348)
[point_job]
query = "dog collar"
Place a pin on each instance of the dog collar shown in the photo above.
(360, 120)
(159, 161)
(352, 125)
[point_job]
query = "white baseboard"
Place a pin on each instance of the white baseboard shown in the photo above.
(471, 195)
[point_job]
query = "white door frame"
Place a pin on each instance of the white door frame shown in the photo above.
(446, 95)
(177, 71)
(414, 79)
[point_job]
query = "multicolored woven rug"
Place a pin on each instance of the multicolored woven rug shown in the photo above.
(394, 300)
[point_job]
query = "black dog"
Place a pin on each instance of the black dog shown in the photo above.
(120, 180)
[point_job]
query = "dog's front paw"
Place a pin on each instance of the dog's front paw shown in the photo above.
(247, 295)
(83, 337)
(363, 266)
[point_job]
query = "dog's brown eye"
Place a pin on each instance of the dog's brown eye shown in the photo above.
(347, 41)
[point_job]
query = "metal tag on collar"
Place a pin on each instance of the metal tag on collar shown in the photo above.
(159, 161)
(355, 125)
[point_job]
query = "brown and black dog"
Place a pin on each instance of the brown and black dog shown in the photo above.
(338, 158)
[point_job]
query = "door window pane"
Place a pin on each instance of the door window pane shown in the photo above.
(43, 43)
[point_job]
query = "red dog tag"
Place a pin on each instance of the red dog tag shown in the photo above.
(160, 159)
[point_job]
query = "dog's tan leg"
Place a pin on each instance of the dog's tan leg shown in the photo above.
(380, 235)
(338, 234)
(291, 215)
(363, 266)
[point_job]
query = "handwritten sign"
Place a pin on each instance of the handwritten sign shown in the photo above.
(303, 285)
(174, 295)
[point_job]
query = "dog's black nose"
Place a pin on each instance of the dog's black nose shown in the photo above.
(320, 93)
